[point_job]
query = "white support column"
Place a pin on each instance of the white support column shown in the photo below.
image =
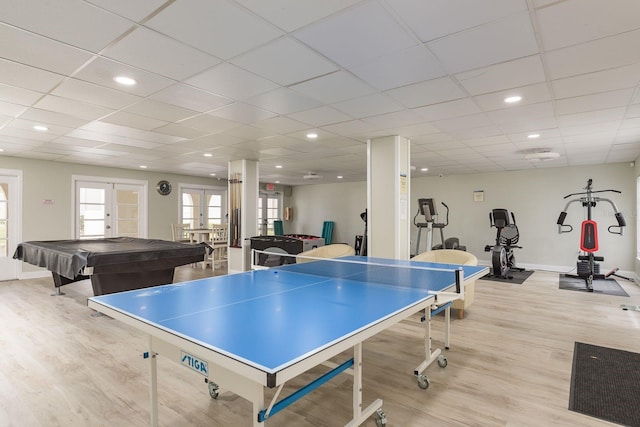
(245, 198)
(388, 191)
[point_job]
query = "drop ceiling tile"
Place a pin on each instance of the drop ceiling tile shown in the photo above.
(134, 10)
(454, 124)
(598, 101)
(218, 27)
(445, 110)
(94, 94)
(427, 92)
(133, 120)
(530, 124)
(50, 117)
(394, 121)
(321, 116)
(40, 52)
(334, 87)
(188, 97)
(592, 117)
(630, 123)
(97, 128)
(210, 123)
(73, 108)
(23, 133)
(521, 113)
(600, 81)
(437, 18)
(283, 101)
(102, 71)
(508, 75)
(597, 55)
(399, 68)
(474, 133)
(76, 22)
(230, 81)
(358, 34)
(179, 131)
(369, 105)
(285, 61)
(27, 125)
(293, 14)
(633, 111)
(26, 77)
(281, 125)
(533, 94)
(246, 132)
(488, 44)
(576, 126)
(10, 109)
(18, 95)
(572, 22)
(351, 129)
(242, 113)
(160, 110)
(159, 54)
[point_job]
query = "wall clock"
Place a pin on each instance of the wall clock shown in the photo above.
(164, 187)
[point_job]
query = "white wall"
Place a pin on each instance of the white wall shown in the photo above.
(535, 196)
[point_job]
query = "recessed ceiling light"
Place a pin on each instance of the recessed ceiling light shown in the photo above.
(424, 169)
(533, 136)
(512, 99)
(143, 166)
(208, 155)
(312, 135)
(339, 177)
(278, 166)
(124, 80)
(1, 149)
(212, 174)
(40, 128)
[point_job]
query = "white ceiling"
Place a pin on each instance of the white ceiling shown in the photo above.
(248, 79)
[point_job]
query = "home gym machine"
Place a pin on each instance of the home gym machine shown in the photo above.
(427, 208)
(587, 265)
(503, 259)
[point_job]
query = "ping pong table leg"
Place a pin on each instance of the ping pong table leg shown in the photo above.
(360, 415)
(153, 383)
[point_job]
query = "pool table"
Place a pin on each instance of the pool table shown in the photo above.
(113, 264)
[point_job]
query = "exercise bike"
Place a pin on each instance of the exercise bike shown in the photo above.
(587, 265)
(503, 259)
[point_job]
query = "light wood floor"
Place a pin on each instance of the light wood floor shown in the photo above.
(509, 363)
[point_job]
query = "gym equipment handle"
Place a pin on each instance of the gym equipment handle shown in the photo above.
(560, 222)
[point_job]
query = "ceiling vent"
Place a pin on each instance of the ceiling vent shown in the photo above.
(312, 175)
(540, 154)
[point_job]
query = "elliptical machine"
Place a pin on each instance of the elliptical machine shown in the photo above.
(427, 208)
(587, 265)
(503, 259)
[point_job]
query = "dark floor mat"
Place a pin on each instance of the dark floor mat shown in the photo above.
(517, 277)
(605, 383)
(600, 286)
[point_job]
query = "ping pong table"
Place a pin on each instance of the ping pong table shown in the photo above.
(247, 331)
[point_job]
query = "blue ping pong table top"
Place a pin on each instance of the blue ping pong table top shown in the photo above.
(271, 319)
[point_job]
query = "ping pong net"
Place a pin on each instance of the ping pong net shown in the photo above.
(398, 273)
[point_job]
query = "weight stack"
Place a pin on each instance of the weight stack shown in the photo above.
(583, 268)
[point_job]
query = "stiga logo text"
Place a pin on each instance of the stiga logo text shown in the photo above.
(192, 362)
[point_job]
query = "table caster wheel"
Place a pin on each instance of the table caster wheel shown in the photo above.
(442, 361)
(423, 381)
(213, 390)
(381, 418)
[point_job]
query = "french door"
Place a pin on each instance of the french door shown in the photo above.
(10, 194)
(109, 209)
(203, 207)
(269, 210)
